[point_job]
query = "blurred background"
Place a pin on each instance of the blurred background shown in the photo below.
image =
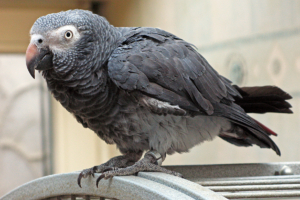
(251, 42)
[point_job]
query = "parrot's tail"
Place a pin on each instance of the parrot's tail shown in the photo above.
(257, 100)
(263, 99)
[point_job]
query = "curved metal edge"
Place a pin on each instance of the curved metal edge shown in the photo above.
(187, 187)
(197, 172)
(126, 187)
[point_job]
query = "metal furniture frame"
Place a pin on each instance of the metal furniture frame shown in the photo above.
(207, 182)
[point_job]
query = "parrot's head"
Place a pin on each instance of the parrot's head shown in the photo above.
(67, 43)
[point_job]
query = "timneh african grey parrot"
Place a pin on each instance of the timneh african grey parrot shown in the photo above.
(144, 89)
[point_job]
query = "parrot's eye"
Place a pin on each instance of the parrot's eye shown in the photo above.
(68, 35)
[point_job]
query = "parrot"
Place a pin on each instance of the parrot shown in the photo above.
(144, 90)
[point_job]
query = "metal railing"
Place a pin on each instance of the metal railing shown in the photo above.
(247, 181)
(207, 182)
(147, 185)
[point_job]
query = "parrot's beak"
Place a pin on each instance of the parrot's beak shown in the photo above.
(38, 59)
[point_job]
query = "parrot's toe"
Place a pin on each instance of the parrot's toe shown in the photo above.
(85, 173)
(112, 165)
(148, 163)
(91, 172)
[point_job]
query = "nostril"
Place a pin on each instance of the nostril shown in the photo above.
(40, 41)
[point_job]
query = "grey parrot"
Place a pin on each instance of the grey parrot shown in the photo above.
(144, 89)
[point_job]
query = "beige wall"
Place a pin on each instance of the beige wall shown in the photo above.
(17, 17)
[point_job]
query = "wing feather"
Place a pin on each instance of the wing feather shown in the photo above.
(152, 59)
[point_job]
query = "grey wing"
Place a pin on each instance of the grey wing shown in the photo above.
(164, 67)
(169, 69)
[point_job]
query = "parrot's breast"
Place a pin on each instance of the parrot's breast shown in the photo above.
(144, 130)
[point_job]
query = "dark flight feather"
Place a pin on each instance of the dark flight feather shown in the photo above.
(263, 99)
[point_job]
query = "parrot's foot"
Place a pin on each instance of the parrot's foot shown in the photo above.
(114, 163)
(150, 162)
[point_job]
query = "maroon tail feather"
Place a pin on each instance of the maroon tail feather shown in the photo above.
(269, 131)
(263, 99)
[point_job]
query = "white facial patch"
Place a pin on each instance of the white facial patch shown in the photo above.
(63, 38)
(35, 38)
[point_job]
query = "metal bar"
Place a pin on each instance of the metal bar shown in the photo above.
(248, 178)
(254, 187)
(189, 188)
(194, 172)
(249, 182)
(262, 194)
(119, 187)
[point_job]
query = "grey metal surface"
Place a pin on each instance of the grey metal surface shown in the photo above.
(194, 172)
(189, 188)
(247, 181)
(145, 186)
(207, 182)
(255, 187)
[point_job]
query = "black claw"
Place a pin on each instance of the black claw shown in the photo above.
(99, 178)
(79, 179)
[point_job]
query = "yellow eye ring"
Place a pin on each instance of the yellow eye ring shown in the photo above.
(68, 35)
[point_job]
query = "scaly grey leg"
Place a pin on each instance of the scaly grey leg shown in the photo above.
(150, 162)
(117, 162)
